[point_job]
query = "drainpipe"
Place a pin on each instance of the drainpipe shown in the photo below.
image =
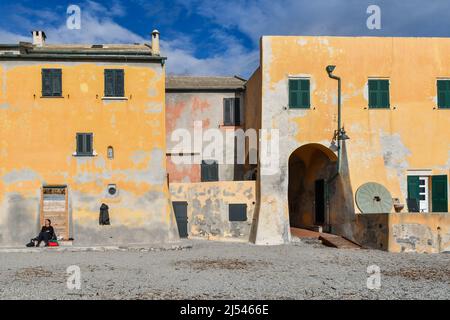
(330, 70)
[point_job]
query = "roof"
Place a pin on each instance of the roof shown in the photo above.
(124, 52)
(184, 83)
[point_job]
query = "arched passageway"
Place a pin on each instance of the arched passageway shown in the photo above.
(310, 166)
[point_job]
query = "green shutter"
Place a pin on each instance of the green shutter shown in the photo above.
(46, 83)
(439, 196)
(84, 144)
(379, 94)
(109, 83)
(79, 143)
(119, 83)
(299, 93)
(413, 188)
(443, 93)
(56, 82)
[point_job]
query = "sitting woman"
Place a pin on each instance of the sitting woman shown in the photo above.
(47, 233)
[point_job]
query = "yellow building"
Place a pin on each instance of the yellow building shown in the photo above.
(396, 112)
(82, 125)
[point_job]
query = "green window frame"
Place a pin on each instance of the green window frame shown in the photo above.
(443, 94)
(379, 94)
(209, 171)
(85, 144)
(114, 83)
(299, 94)
(51, 82)
(232, 111)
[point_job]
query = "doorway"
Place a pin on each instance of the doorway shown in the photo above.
(309, 168)
(54, 207)
(180, 210)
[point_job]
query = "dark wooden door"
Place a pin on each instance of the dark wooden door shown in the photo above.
(180, 209)
(320, 202)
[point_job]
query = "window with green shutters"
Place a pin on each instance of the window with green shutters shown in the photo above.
(231, 111)
(84, 144)
(209, 171)
(443, 87)
(51, 83)
(299, 94)
(439, 197)
(379, 94)
(114, 83)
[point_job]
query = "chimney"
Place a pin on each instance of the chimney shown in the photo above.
(155, 43)
(38, 38)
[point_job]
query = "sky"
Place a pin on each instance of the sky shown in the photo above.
(217, 37)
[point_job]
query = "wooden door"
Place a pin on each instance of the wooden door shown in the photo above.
(54, 207)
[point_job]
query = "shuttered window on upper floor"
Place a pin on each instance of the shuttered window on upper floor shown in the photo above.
(85, 144)
(51, 83)
(443, 87)
(209, 171)
(114, 83)
(231, 111)
(299, 94)
(379, 94)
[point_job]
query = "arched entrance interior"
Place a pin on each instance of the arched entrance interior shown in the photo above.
(310, 166)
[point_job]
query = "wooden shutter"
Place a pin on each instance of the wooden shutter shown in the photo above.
(228, 111)
(379, 94)
(46, 83)
(439, 197)
(443, 93)
(84, 144)
(414, 188)
(119, 83)
(237, 212)
(88, 143)
(109, 83)
(209, 171)
(299, 93)
(237, 111)
(56, 82)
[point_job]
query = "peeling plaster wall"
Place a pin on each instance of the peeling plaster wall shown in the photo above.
(38, 140)
(182, 110)
(412, 134)
(208, 208)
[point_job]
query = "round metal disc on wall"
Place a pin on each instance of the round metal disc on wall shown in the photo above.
(373, 197)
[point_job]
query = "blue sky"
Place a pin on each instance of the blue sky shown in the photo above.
(217, 37)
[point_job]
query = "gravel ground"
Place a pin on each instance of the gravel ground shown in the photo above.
(214, 270)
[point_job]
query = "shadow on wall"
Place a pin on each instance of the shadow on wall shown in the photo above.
(341, 203)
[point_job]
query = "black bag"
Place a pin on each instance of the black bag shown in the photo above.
(103, 219)
(30, 244)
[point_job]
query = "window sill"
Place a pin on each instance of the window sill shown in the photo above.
(441, 108)
(384, 108)
(299, 108)
(230, 126)
(52, 97)
(94, 154)
(115, 98)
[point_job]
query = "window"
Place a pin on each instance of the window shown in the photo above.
(231, 111)
(110, 153)
(443, 87)
(209, 171)
(114, 83)
(299, 94)
(51, 83)
(379, 94)
(237, 212)
(84, 144)
(419, 193)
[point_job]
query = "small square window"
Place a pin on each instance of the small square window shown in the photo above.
(84, 144)
(299, 94)
(443, 89)
(51, 83)
(114, 83)
(237, 212)
(379, 94)
(209, 171)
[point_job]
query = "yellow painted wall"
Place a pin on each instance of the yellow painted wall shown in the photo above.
(412, 135)
(208, 208)
(38, 140)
